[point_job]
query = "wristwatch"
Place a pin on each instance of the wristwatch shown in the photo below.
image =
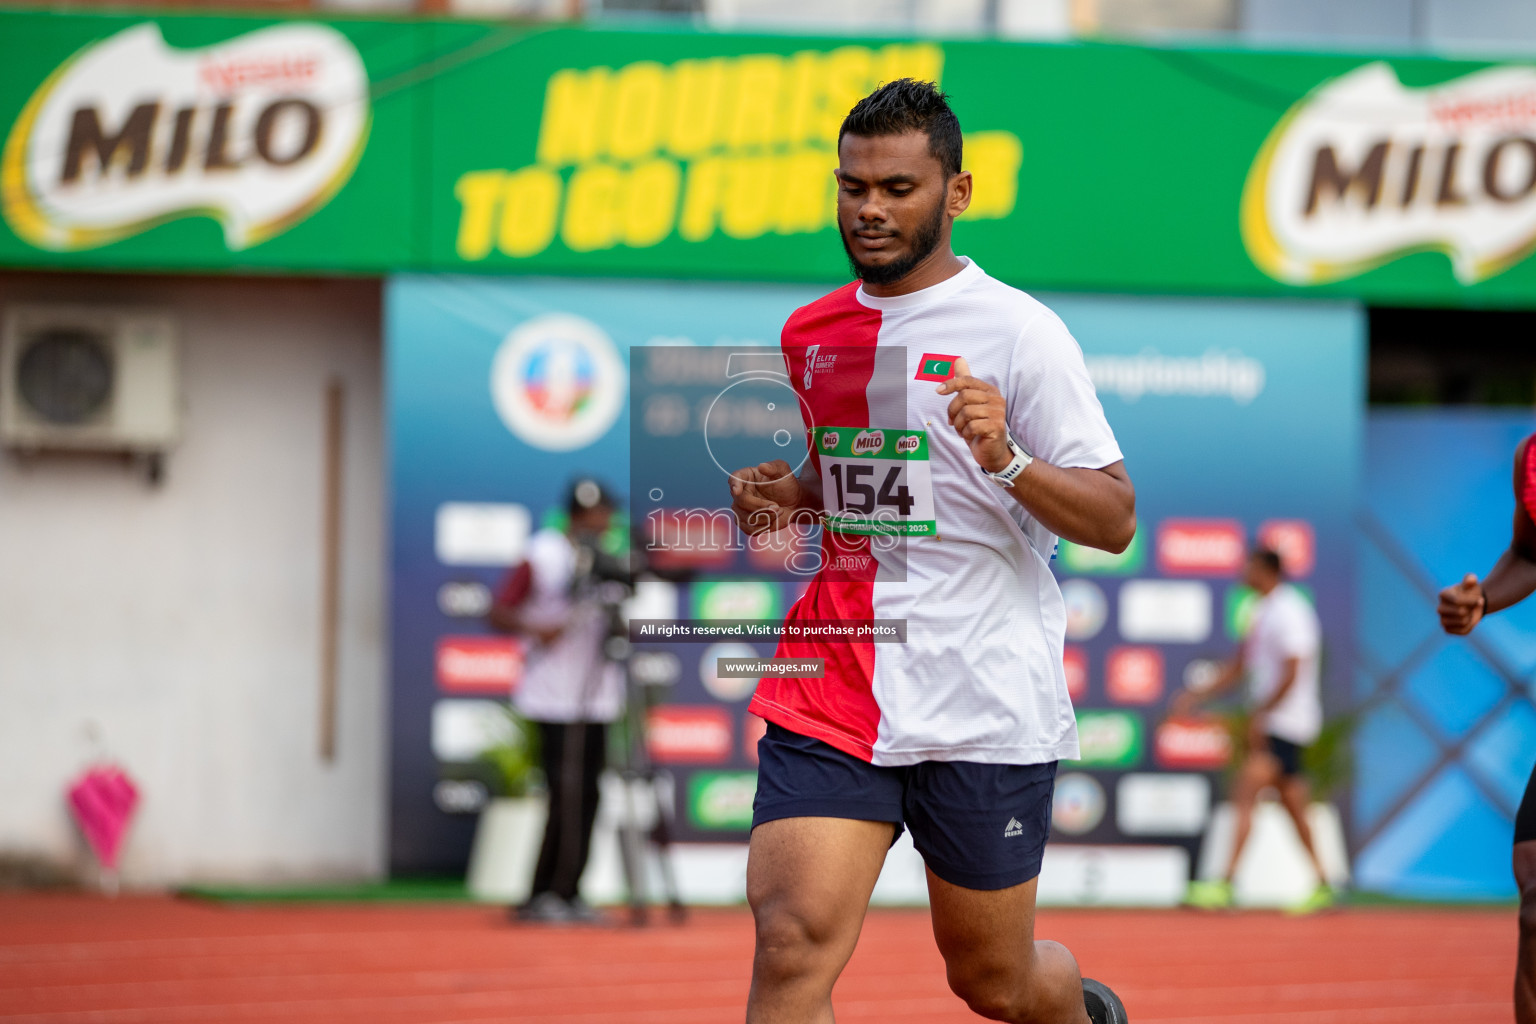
(1021, 458)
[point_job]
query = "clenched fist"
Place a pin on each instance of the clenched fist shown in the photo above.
(764, 497)
(979, 413)
(1462, 606)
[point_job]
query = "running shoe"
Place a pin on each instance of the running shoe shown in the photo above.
(582, 912)
(545, 908)
(1104, 1007)
(1209, 895)
(1321, 898)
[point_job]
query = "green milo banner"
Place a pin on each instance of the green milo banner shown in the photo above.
(349, 146)
(208, 143)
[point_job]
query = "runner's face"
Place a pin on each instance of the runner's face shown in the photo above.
(892, 204)
(1259, 576)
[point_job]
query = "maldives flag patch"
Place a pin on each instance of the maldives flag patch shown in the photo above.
(934, 366)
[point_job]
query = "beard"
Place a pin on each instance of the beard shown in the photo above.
(924, 241)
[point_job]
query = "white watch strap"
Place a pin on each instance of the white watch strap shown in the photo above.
(1021, 459)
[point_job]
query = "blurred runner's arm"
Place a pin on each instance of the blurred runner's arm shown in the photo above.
(1188, 700)
(1094, 507)
(1511, 580)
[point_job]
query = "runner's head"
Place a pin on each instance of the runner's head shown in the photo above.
(1263, 571)
(900, 186)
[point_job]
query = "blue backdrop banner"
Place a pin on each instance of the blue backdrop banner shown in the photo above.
(1240, 422)
(1447, 732)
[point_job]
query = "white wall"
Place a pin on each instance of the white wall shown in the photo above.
(183, 621)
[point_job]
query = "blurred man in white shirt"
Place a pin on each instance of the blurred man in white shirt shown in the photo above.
(1279, 657)
(569, 690)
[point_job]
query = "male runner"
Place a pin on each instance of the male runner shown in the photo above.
(1280, 659)
(979, 400)
(1462, 607)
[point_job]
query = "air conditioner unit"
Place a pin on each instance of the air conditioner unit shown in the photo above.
(89, 378)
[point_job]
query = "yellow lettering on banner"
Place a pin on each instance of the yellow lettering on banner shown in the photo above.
(575, 108)
(701, 201)
(922, 61)
(591, 202)
(802, 98)
(993, 158)
(650, 202)
(747, 210)
(637, 110)
(530, 208)
(807, 191)
(478, 193)
(698, 102)
(741, 145)
(846, 72)
(755, 106)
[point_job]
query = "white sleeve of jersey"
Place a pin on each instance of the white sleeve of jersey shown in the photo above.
(1053, 409)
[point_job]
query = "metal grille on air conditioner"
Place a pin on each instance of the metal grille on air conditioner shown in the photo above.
(89, 378)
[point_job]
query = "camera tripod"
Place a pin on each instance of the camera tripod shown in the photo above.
(646, 789)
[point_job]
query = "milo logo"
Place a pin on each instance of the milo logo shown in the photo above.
(908, 443)
(829, 440)
(1365, 170)
(257, 132)
(867, 442)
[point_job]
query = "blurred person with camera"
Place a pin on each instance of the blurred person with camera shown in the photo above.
(569, 690)
(992, 447)
(1280, 659)
(1462, 606)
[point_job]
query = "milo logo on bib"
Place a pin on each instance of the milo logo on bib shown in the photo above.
(877, 481)
(867, 442)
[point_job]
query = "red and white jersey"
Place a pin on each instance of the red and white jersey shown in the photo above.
(1525, 484)
(980, 675)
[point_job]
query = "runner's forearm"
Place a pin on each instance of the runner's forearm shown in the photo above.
(1225, 680)
(1511, 580)
(1093, 507)
(1231, 672)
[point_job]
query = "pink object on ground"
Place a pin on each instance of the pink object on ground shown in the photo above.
(103, 801)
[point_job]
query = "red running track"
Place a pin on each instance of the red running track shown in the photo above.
(158, 960)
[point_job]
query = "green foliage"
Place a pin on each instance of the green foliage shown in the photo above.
(516, 761)
(1327, 762)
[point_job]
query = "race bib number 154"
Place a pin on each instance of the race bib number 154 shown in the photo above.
(876, 481)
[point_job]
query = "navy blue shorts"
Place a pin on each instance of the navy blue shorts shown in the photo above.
(1288, 754)
(1525, 817)
(979, 826)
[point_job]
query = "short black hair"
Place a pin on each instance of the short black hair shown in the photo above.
(1269, 559)
(907, 105)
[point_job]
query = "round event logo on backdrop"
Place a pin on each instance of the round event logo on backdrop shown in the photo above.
(1087, 610)
(726, 688)
(1078, 805)
(557, 382)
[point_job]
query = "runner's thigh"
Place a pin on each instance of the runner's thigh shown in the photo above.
(822, 821)
(817, 872)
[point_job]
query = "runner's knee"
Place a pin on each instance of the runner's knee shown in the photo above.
(991, 992)
(1001, 991)
(789, 943)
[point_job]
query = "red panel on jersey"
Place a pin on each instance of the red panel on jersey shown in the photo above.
(830, 348)
(1528, 479)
